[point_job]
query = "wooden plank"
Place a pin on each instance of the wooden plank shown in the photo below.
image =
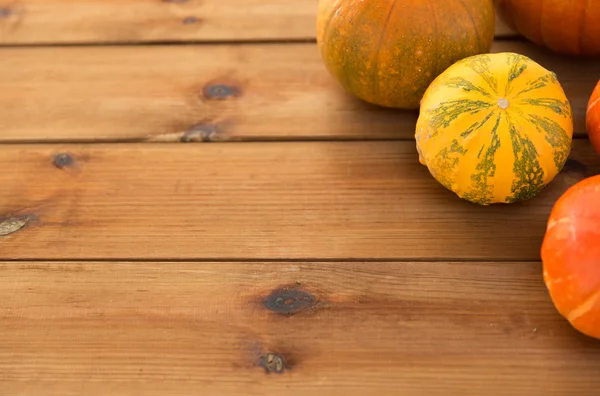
(327, 200)
(143, 21)
(166, 93)
(347, 329)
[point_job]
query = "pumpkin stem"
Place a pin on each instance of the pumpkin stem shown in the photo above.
(503, 103)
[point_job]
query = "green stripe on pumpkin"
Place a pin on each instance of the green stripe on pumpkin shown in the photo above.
(466, 85)
(481, 66)
(557, 106)
(443, 115)
(555, 135)
(482, 192)
(539, 83)
(528, 172)
(445, 162)
(477, 125)
(518, 64)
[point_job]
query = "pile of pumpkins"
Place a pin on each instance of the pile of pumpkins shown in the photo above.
(492, 127)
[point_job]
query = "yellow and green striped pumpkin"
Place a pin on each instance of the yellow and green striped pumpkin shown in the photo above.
(494, 128)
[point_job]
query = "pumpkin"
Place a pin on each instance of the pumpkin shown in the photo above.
(564, 26)
(593, 118)
(570, 255)
(387, 52)
(495, 128)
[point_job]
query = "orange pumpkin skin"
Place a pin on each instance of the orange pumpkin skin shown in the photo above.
(593, 118)
(570, 27)
(571, 256)
(388, 52)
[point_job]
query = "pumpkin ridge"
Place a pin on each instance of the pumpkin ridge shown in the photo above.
(593, 104)
(580, 46)
(528, 172)
(472, 21)
(327, 27)
(327, 35)
(584, 307)
(481, 192)
(435, 32)
(376, 72)
(542, 38)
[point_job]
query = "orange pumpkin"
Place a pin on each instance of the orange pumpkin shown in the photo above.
(593, 118)
(563, 26)
(571, 256)
(387, 52)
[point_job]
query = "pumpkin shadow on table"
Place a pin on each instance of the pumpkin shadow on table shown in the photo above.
(498, 226)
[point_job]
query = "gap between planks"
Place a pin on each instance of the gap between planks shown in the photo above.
(175, 43)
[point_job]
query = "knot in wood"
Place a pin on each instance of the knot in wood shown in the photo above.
(10, 225)
(5, 12)
(288, 302)
(220, 91)
(272, 363)
(63, 160)
(189, 20)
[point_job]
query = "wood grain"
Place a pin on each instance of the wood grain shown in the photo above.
(340, 329)
(326, 200)
(145, 21)
(142, 21)
(200, 93)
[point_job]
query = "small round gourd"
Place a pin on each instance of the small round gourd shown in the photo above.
(495, 128)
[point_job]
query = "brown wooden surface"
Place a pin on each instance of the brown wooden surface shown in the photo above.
(159, 93)
(142, 21)
(445, 328)
(134, 264)
(334, 200)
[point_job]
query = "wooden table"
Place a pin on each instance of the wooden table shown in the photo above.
(192, 206)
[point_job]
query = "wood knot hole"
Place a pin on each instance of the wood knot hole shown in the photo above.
(289, 302)
(10, 225)
(220, 91)
(201, 133)
(272, 363)
(5, 12)
(189, 20)
(63, 160)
